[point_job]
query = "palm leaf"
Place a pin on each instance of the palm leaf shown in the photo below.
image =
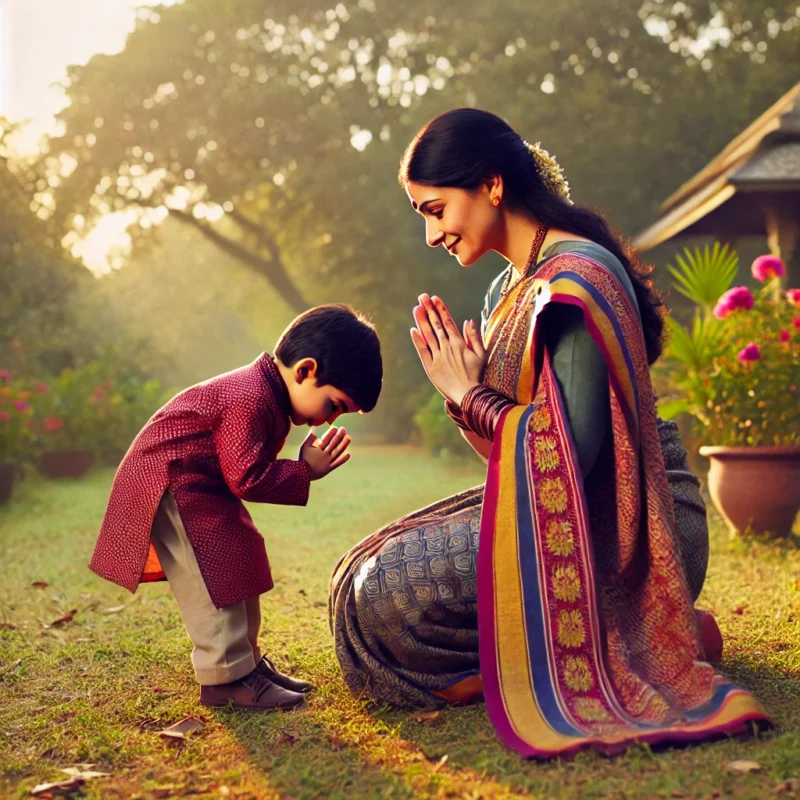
(671, 409)
(703, 275)
(694, 347)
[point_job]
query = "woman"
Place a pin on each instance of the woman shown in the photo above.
(575, 615)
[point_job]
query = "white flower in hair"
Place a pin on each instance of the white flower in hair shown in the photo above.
(549, 170)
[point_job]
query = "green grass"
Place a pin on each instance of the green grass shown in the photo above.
(96, 690)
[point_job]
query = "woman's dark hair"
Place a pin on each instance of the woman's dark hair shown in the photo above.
(463, 147)
(345, 346)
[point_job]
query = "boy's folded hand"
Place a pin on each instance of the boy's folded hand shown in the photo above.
(326, 454)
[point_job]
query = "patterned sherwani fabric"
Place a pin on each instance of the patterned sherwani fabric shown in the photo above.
(213, 445)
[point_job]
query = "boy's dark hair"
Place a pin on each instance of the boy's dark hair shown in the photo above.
(345, 346)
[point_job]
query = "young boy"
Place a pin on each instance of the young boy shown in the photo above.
(176, 511)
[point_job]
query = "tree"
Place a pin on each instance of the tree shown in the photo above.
(276, 138)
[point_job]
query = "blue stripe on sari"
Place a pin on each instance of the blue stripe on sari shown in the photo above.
(531, 590)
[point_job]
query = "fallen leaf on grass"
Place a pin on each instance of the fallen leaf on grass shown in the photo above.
(78, 777)
(114, 610)
(790, 785)
(63, 788)
(84, 774)
(179, 730)
(427, 716)
(440, 763)
(68, 617)
(7, 626)
(743, 767)
(40, 584)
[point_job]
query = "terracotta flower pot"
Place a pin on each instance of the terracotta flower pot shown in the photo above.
(7, 474)
(71, 464)
(755, 487)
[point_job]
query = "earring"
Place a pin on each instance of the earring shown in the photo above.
(495, 200)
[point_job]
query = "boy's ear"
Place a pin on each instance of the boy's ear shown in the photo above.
(305, 368)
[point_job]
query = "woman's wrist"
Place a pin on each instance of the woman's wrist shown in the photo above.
(458, 398)
(480, 409)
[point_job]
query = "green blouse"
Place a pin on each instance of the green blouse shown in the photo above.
(578, 364)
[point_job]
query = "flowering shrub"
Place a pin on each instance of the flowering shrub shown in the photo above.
(81, 409)
(736, 368)
(16, 418)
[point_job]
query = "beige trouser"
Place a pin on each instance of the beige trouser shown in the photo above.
(225, 639)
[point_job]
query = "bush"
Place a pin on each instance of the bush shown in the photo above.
(99, 406)
(439, 434)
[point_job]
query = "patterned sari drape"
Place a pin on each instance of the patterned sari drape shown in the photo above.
(587, 634)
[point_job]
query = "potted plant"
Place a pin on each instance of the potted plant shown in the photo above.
(66, 423)
(735, 369)
(16, 414)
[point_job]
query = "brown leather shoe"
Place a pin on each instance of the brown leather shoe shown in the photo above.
(253, 692)
(268, 670)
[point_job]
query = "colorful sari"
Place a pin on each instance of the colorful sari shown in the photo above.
(586, 632)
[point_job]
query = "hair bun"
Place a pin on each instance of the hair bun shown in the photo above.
(549, 170)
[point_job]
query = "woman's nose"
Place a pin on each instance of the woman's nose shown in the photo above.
(433, 235)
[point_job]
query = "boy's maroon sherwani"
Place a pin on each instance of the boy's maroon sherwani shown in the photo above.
(213, 446)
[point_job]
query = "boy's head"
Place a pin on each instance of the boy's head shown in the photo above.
(330, 359)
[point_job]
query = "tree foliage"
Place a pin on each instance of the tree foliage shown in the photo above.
(275, 133)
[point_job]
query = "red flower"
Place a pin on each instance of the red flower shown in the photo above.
(796, 322)
(739, 297)
(767, 267)
(21, 406)
(42, 388)
(750, 353)
(784, 335)
(99, 393)
(4, 416)
(5, 376)
(793, 297)
(52, 424)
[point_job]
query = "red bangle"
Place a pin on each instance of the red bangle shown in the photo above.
(454, 412)
(480, 410)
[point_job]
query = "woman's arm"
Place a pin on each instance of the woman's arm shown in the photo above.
(480, 446)
(582, 377)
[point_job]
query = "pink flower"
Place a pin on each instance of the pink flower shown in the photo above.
(793, 297)
(99, 393)
(740, 297)
(21, 406)
(5, 376)
(784, 335)
(750, 353)
(765, 268)
(4, 416)
(796, 322)
(52, 424)
(42, 388)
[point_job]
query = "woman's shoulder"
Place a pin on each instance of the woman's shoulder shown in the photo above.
(597, 253)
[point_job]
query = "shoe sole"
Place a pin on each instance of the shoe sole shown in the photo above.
(253, 708)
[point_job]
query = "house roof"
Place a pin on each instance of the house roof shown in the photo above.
(728, 195)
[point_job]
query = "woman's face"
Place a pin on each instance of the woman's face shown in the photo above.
(464, 222)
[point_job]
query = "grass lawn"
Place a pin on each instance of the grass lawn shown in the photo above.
(97, 689)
